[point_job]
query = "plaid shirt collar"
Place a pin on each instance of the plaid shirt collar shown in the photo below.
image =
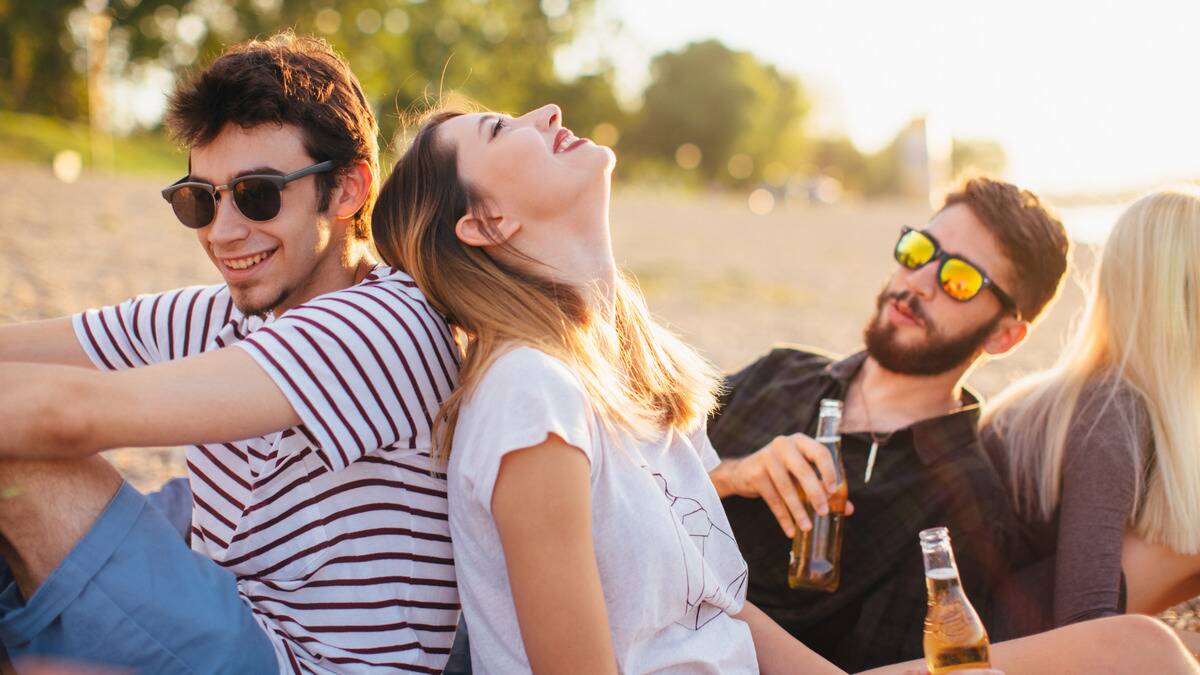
(933, 437)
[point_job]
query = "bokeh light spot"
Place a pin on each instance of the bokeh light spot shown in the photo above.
(396, 21)
(369, 21)
(741, 166)
(605, 134)
(67, 165)
(328, 20)
(761, 202)
(687, 156)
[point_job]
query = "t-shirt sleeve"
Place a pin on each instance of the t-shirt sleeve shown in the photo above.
(525, 396)
(704, 447)
(147, 329)
(364, 368)
(1100, 469)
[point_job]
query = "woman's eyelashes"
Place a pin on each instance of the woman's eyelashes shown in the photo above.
(498, 126)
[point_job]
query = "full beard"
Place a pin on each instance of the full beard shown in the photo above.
(936, 355)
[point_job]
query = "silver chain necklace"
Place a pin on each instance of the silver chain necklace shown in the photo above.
(876, 438)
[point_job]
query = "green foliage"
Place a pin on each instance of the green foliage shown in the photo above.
(406, 53)
(746, 117)
(36, 72)
(38, 138)
(981, 156)
(726, 103)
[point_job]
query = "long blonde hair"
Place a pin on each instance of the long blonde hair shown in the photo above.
(1140, 334)
(640, 377)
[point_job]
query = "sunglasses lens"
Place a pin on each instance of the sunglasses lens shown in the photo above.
(914, 249)
(960, 280)
(193, 207)
(257, 198)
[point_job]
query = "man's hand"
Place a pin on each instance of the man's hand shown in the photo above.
(782, 475)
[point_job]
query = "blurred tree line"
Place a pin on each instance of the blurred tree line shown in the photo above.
(709, 115)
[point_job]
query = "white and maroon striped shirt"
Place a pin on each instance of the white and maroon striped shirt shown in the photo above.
(336, 529)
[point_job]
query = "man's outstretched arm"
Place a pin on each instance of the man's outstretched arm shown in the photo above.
(47, 341)
(61, 411)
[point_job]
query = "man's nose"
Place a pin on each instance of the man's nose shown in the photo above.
(228, 224)
(923, 282)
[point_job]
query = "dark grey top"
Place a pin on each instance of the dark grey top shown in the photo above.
(1073, 571)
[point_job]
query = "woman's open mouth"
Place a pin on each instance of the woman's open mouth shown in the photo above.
(565, 141)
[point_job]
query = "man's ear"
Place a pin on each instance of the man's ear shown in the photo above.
(353, 186)
(474, 230)
(1009, 333)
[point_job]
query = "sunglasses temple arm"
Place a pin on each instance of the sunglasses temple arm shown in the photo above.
(315, 168)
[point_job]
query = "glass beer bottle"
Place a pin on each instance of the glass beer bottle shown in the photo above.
(815, 561)
(955, 638)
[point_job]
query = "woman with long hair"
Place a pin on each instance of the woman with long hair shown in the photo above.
(583, 519)
(1102, 452)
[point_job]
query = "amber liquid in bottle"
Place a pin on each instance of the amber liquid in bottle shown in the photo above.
(816, 555)
(955, 638)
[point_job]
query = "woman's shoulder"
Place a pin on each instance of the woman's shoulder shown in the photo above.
(1110, 403)
(1110, 428)
(524, 366)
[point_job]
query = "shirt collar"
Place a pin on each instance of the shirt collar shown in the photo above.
(933, 437)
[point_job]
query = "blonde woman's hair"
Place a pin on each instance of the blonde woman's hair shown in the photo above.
(640, 377)
(1140, 334)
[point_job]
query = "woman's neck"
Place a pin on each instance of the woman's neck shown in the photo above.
(577, 250)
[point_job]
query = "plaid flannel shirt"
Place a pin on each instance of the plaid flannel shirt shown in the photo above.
(933, 473)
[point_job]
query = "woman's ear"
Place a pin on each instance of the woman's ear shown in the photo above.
(486, 231)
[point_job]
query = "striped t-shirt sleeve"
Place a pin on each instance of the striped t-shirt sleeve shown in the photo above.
(362, 367)
(149, 328)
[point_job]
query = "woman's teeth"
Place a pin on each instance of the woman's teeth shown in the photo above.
(245, 263)
(566, 142)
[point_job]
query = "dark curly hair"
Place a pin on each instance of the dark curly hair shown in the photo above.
(285, 79)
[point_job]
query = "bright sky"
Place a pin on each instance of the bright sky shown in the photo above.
(1085, 96)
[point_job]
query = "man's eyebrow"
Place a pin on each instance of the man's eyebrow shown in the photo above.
(259, 171)
(256, 171)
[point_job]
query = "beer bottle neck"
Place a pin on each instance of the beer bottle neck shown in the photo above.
(941, 558)
(939, 555)
(829, 436)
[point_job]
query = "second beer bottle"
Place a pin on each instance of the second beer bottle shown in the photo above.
(816, 554)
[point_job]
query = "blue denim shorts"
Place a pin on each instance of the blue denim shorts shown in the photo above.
(131, 593)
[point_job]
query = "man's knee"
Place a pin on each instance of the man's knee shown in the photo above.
(46, 507)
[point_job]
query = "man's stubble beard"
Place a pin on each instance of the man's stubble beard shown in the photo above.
(248, 307)
(937, 355)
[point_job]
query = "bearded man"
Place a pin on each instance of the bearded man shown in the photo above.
(967, 286)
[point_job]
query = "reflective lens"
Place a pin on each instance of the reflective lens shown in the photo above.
(257, 198)
(193, 206)
(914, 249)
(960, 279)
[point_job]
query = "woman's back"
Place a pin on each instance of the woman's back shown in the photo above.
(1073, 571)
(670, 569)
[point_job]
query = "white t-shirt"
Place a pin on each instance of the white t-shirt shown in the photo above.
(670, 568)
